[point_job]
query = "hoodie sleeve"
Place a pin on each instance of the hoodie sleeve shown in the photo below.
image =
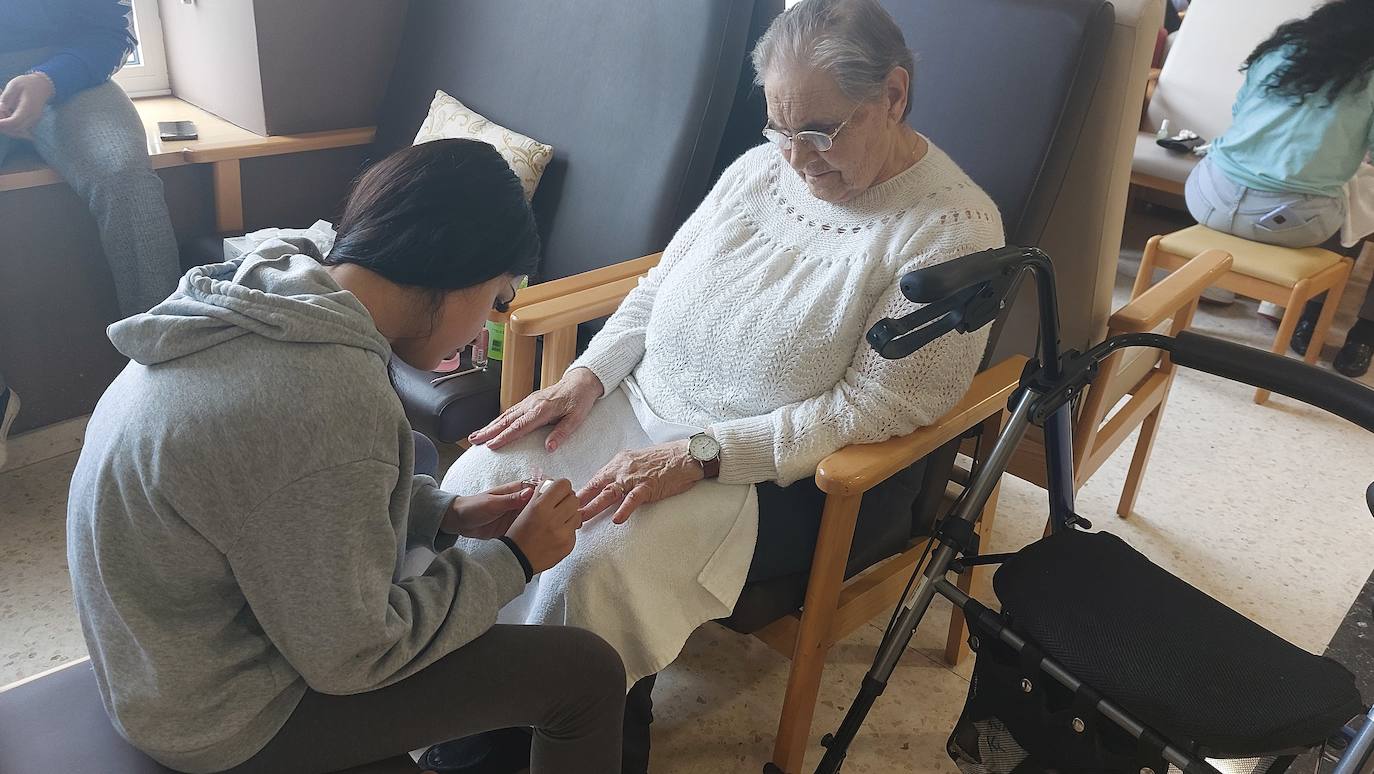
(95, 44)
(316, 562)
(428, 504)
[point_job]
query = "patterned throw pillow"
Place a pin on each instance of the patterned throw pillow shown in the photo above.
(448, 118)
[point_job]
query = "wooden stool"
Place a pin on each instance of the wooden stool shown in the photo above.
(56, 722)
(1283, 275)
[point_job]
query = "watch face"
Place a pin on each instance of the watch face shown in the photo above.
(703, 447)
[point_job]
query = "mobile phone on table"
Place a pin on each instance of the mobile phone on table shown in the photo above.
(177, 130)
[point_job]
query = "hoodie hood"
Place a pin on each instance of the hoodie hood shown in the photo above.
(280, 292)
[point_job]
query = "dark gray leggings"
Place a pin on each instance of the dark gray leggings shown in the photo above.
(567, 683)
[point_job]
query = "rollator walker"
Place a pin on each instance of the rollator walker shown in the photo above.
(1101, 661)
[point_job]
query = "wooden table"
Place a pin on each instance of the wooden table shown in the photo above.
(221, 144)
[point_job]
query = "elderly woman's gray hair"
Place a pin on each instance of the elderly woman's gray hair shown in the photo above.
(855, 41)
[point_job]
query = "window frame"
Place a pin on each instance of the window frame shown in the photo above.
(149, 77)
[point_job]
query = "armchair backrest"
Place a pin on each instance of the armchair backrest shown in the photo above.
(1083, 232)
(633, 95)
(1004, 86)
(1201, 76)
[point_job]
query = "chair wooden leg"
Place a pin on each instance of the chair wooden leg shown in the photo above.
(1296, 300)
(1139, 459)
(956, 641)
(1144, 277)
(517, 370)
(1328, 314)
(560, 349)
(814, 635)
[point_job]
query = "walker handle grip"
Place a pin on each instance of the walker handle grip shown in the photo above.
(1343, 397)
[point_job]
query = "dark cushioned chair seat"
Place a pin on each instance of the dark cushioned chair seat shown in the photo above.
(57, 723)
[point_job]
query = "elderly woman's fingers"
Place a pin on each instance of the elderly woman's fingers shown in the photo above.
(637, 497)
(531, 419)
(501, 422)
(566, 426)
(592, 489)
(606, 497)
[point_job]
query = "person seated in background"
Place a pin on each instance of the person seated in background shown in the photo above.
(739, 362)
(56, 59)
(1303, 123)
(245, 499)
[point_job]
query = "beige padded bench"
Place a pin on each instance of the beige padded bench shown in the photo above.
(55, 722)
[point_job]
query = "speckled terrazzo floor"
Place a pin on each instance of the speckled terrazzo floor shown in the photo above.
(1260, 506)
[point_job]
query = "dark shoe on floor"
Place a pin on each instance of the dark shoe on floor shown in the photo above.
(1353, 359)
(505, 751)
(1302, 336)
(1307, 323)
(9, 409)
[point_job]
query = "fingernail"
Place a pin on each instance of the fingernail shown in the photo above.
(546, 486)
(553, 445)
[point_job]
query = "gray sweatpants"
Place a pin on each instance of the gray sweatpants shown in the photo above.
(566, 683)
(95, 141)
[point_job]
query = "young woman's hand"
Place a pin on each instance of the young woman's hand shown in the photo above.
(564, 405)
(546, 530)
(22, 103)
(638, 477)
(487, 515)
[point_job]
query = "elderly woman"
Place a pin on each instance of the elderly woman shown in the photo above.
(741, 359)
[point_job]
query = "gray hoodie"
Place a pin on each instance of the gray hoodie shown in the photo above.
(240, 511)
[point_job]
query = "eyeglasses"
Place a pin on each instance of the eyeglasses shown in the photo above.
(503, 302)
(821, 141)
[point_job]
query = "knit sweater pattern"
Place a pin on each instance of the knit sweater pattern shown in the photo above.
(752, 325)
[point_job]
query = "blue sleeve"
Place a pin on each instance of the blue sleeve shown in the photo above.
(96, 43)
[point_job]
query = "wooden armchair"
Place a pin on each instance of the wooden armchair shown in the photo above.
(833, 607)
(1132, 385)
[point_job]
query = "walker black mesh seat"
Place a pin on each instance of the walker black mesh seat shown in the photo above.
(1193, 669)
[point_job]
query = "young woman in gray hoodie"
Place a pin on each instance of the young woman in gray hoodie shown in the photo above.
(246, 495)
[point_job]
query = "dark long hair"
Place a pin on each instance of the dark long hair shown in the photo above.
(441, 216)
(1330, 51)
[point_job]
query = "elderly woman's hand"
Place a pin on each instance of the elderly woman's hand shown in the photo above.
(566, 403)
(639, 477)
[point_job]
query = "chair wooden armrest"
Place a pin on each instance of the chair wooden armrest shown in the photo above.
(1151, 83)
(554, 310)
(547, 291)
(1146, 311)
(571, 309)
(853, 470)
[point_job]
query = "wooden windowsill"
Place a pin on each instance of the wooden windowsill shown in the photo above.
(219, 141)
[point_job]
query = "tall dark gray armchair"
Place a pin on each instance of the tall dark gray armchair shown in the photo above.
(643, 103)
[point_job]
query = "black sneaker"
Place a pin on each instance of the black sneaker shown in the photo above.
(1353, 359)
(506, 751)
(1302, 336)
(1307, 323)
(9, 409)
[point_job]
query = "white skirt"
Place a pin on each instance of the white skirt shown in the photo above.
(644, 585)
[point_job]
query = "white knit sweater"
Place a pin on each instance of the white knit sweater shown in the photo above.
(753, 324)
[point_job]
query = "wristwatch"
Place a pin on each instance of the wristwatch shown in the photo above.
(706, 451)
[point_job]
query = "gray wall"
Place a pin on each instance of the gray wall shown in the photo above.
(276, 67)
(212, 57)
(56, 295)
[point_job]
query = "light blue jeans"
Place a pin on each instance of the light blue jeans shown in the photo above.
(95, 141)
(1221, 204)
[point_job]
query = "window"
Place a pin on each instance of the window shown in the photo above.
(145, 74)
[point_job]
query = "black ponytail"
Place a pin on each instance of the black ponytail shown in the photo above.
(441, 216)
